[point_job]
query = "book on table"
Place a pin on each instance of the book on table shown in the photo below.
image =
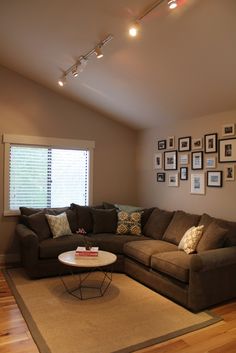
(83, 251)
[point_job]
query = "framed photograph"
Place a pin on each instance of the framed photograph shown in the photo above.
(161, 144)
(184, 173)
(197, 144)
(158, 161)
(229, 173)
(161, 177)
(170, 160)
(170, 142)
(197, 160)
(228, 130)
(227, 150)
(173, 180)
(184, 144)
(183, 159)
(210, 143)
(214, 179)
(210, 162)
(198, 184)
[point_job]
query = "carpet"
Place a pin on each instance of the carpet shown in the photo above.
(127, 318)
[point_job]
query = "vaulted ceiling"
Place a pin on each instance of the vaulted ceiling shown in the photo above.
(181, 66)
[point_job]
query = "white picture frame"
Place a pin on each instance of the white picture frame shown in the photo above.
(157, 161)
(228, 130)
(210, 162)
(170, 142)
(173, 179)
(197, 185)
(197, 143)
(229, 172)
(184, 159)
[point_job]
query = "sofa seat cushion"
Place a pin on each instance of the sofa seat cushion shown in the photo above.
(175, 264)
(112, 242)
(51, 248)
(143, 250)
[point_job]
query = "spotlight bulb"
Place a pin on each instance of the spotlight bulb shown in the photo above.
(134, 29)
(62, 81)
(74, 71)
(172, 4)
(98, 53)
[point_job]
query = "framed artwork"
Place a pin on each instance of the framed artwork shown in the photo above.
(161, 144)
(184, 144)
(210, 162)
(229, 173)
(183, 159)
(170, 142)
(214, 179)
(158, 161)
(228, 130)
(173, 180)
(227, 150)
(197, 144)
(170, 160)
(210, 143)
(197, 160)
(161, 177)
(184, 173)
(198, 184)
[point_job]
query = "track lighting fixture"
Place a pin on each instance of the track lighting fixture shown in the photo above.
(81, 63)
(135, 26)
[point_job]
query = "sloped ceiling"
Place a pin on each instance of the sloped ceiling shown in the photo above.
(182, 66)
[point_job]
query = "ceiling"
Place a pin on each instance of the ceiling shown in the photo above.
(182, 66)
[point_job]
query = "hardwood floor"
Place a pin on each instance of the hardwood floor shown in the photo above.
(220, 338)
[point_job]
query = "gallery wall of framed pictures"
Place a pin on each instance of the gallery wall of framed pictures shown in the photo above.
(207, 161)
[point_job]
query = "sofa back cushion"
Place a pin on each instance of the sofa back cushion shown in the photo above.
(157, 223)
(104, 221)
(179, 224)
(38, 223)
(230, 236)
(213, 237)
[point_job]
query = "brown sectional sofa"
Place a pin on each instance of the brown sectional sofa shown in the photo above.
(196, 281)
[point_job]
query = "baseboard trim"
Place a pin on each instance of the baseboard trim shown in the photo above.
(9, 259)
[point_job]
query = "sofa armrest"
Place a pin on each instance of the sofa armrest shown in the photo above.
(29, 245)
(213, 259)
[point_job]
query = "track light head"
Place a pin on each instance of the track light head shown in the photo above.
(62, 81)
(172, 4)
(75, 71)
(98, 52)
(134, 29)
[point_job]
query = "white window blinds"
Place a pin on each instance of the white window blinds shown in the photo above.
(47, 177)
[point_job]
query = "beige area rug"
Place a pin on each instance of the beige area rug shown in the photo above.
(127, 318)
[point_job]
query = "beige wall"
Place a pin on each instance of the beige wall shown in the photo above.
(218, 202)
(30, 109)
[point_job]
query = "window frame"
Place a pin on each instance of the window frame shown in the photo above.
(58, 143)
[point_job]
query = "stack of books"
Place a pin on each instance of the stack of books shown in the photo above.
(83, 251)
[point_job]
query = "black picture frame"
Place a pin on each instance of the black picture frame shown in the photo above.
(227, 150)
(197, 160)
(184, 173)
(184, 144)
(161, 177)
(170, 160)
(210, 143)
(161, 145)
(215, 178)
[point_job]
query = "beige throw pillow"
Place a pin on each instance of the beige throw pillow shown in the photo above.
(190, 239)
(59, 225)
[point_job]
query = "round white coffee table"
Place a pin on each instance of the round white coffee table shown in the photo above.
(89, 265)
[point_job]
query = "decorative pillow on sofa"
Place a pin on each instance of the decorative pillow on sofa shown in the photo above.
(191, 239)
(104, 221)
(179, 224)
(38, 223)
(59, 225)
(129, 223)
(213, 237)
(157, 223)
(128, 208)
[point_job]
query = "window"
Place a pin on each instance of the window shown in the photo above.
(46, 176)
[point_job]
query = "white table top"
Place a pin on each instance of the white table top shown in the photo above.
(104, 258)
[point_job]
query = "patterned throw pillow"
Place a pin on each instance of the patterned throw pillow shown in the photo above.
(59, 225)
(129, 223)
(190, 239)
